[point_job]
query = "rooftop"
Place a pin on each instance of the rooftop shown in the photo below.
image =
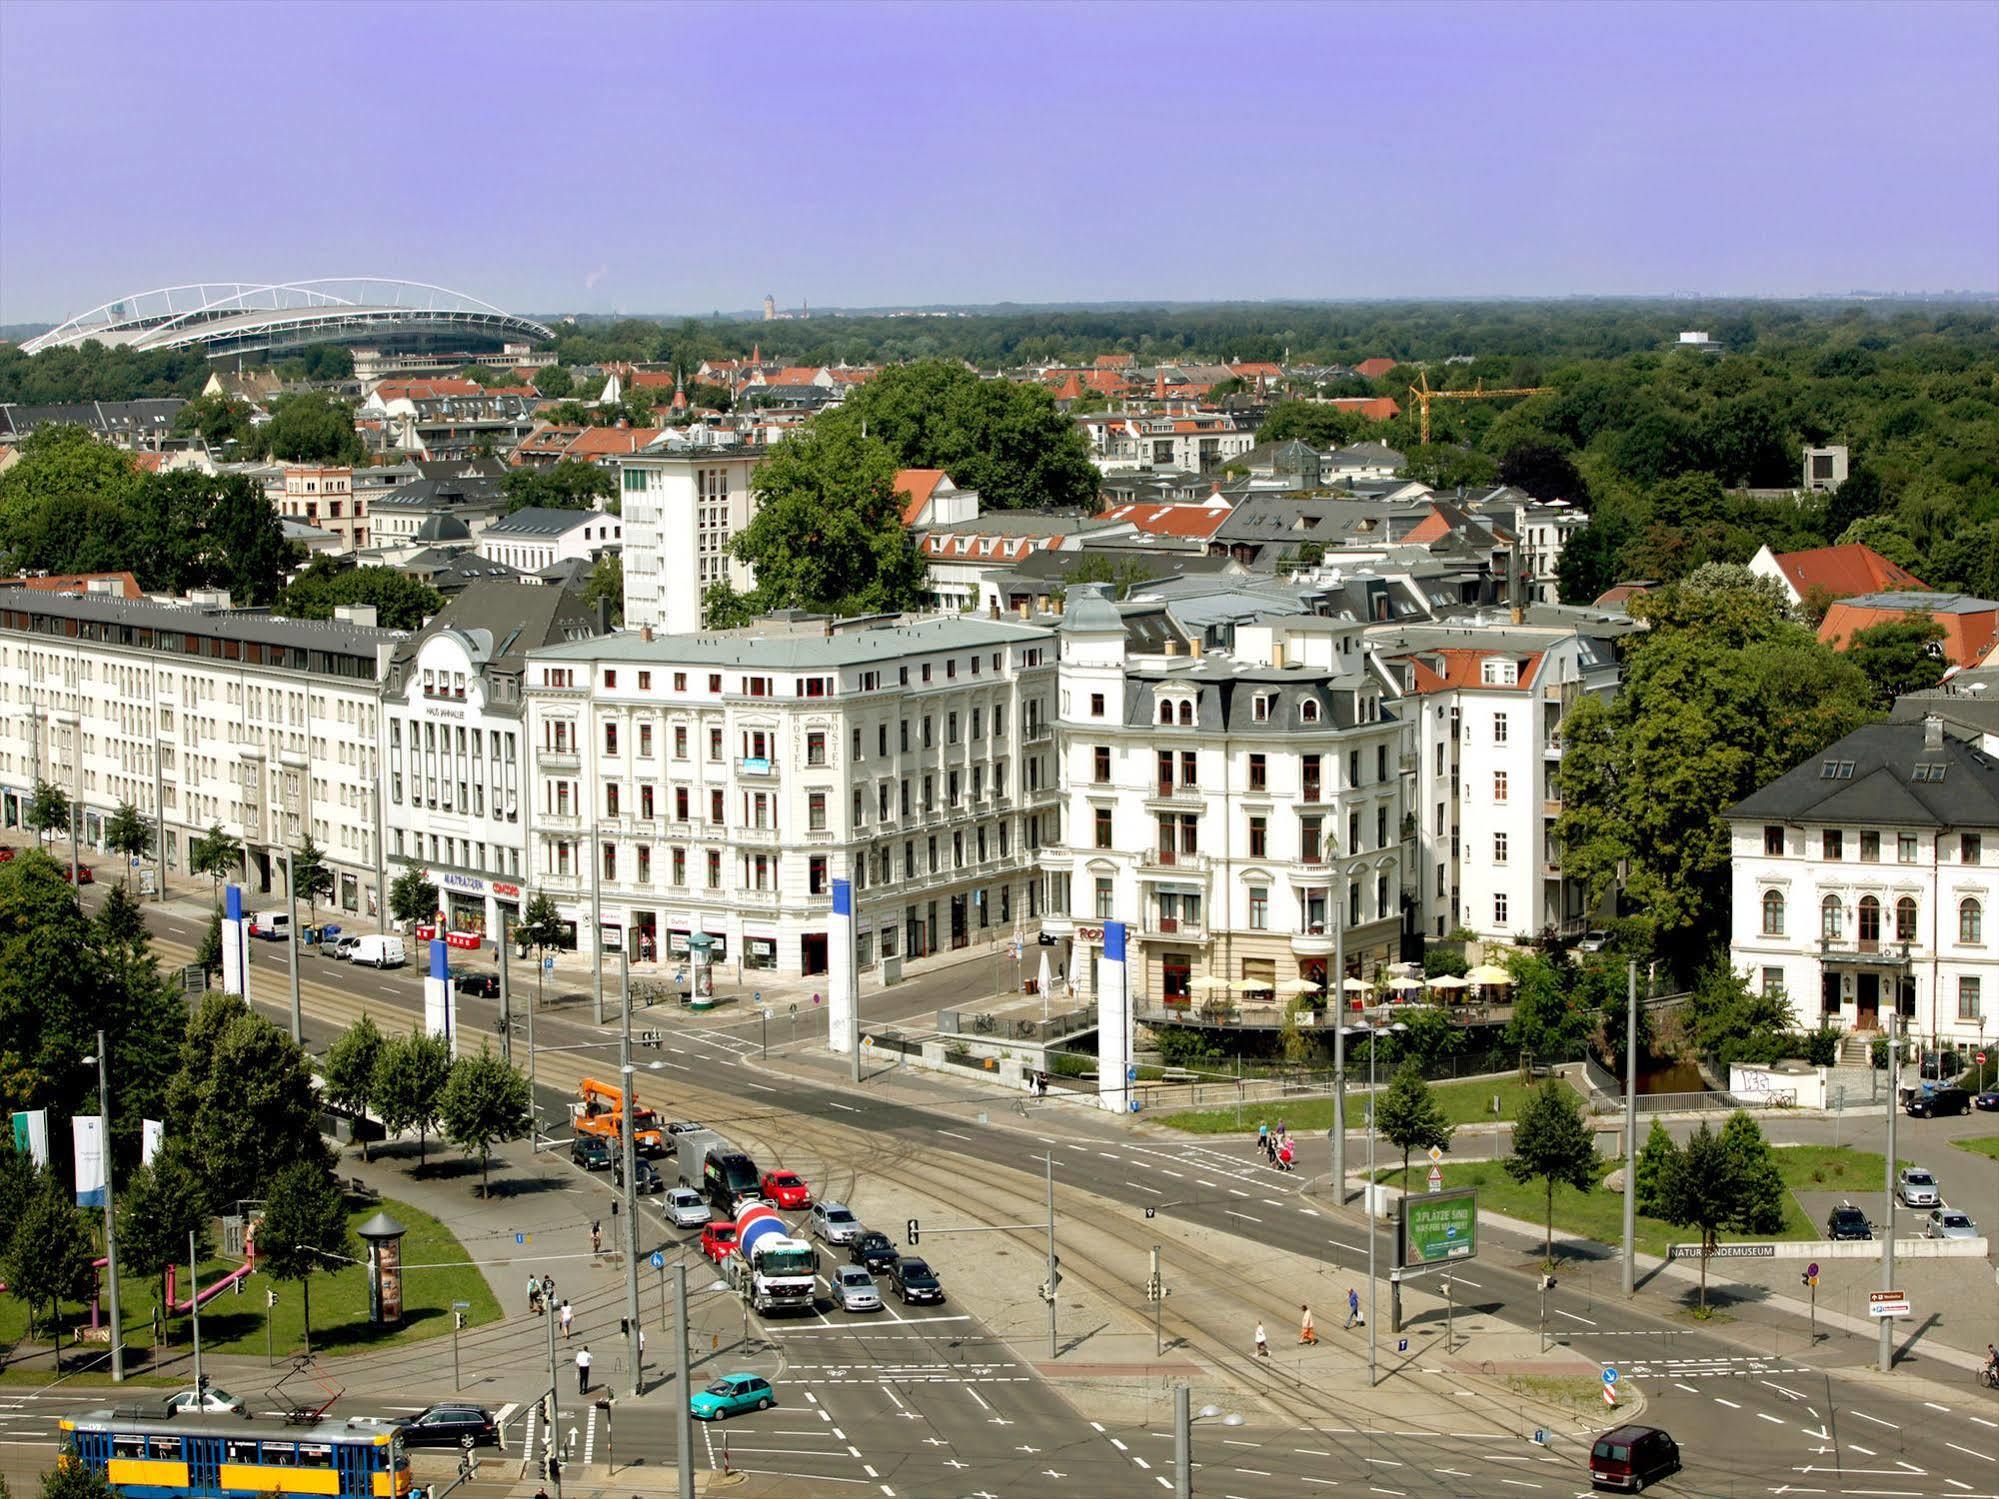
(1871, 776)
(781, 645)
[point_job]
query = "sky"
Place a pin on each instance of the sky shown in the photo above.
(580, 157)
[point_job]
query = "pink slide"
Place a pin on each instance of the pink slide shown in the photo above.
(176, 1306)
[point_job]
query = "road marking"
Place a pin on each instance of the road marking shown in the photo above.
(1935, 1407)
(1863, 1451)
(1312, 1213)
(1793, 1394)
(1983, 1422)
(1246, 1217)
(1146, 1187)
(1574, 1318)
(1875, 1419)
(1955, 1484)
(1520, 1483)
(763, 1088)
(1773, 1420)
(1729, 1403)
(1983, 1457)
(843, 1108)
(1174, 1174)
(1272, 1202)
(953, 1134)
(1108, 1156)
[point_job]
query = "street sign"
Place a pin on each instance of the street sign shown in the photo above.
(1401, 1345)
(1436, 1155)
(1131, 1072)
(1812, 1269)
(1436, 1180)
(1887, 1303)
(520, 1238)
(658, 1260)
(548, 965)
(1981, 1059)
(1437, 1227)
(867, 1043)
(1610, 1374)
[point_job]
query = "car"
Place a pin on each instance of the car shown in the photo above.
(785, 1189)
(1939, 1102)
(209, 1400)
(6, 853)
(1593, 942)
(835, 1223)
(729, 1395)
(1988, 1101)
(1917, 1188)
(590, 1152)
(916, 1281)
(1848, 1222)
(1949, 1223)
(686, 1207)
(85, 875)
(682, 1127)
(644, 1177)
(343, 946)
(1631, 1457)
(476, 982)
(873, 1252)
(449, 1424)
(854, 1290)
(718, 1241)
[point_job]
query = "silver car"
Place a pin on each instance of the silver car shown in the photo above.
(835, 1223)
(686, 1207)
(854, 1290)
(1917, 1188)
(1949, 1223)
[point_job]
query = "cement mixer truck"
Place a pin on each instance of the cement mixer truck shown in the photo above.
(770, 1270)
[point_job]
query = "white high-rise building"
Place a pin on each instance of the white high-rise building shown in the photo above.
(684, 499)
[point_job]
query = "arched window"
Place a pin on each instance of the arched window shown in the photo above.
(1165, 711)
(1870, 919)
(1186, 715)
(1830, 920)
(1905, 919)
(1970, 921)
(1308, 711)
(1773, 914)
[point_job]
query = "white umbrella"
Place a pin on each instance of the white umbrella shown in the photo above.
(1357, 986)
(1044, 971)
(1405, 983)
(1248, 986)
(1489, 973)
(1449, 982)
(1208, 983)
(1298, 986)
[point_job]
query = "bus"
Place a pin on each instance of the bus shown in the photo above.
(152, 1458)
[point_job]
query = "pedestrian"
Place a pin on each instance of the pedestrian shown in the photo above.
(1282, 1132)
(568, 1318)
(597, 1237)
(642, 1347)
(1262, 1135)
(1307, 1333)
(534, 1295)
(1284, 1156)
(1262, 1343)
(548, 1292)
(1353, 1308)
(583, 1362)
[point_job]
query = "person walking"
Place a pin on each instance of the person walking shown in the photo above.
(597, 1237)
(583, 1362)
(1262, 1343)
(568, 1319)
(1262, 1136)
(1307, 1333)
(1284, 1157)
(534, 1294)
(1353, 1308)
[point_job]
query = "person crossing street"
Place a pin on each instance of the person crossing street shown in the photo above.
(583, 1362)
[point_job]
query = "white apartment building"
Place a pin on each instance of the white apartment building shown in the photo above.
(1488, 701)
(207, 716)
(684, 500)
(457, 802)
(537, 538)
(1868, 878)
(325, 498)
(1235, 810)
(719, 783)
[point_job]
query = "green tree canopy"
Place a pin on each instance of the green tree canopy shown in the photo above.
(49, 1253)
(410, 1075)
(1898, 656)
(1552, 1144)
(130, 835)
(245, 1098)
(412, 897)
(311, 878)
(565, 485)
(606, 584)
(65, 504)
(1721, 1181)
(1313, 422)
(401, 602)
(553, 382)
(1410, 1118)
(312, 427)
(1655, 1161)
(350, 1070)
(159, 1205)
(195, 530)
(214, 854)
(47, 811)
(304, 1223)
(485, 1102)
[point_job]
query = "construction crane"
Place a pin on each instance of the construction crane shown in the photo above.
(1425, 395)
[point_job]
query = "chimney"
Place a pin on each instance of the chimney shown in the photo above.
(1194, 647)
(993, 610)
(1277, 656)
(603, 616)
(1172, 647)
(645, 634)
(1932, 732)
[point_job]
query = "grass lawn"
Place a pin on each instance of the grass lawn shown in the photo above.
(233, 1323)
(1987, 1146)
(1463, 1103)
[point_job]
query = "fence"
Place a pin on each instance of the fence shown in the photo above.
(1604, 1093)
(989, 1027)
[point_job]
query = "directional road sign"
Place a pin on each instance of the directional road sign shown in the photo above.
(1436, 1155)
(1887, 1303)
(1610, 1374)
(658, 1260)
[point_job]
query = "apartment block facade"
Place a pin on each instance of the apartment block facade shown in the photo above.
(683, 503)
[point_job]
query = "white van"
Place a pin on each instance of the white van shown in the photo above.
(271, 926)
(377, 951)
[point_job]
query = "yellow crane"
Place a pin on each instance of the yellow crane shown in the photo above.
(1424, 395)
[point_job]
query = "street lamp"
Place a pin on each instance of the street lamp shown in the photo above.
(110, 1211)
(1183, 1438)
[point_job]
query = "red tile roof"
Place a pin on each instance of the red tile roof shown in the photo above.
(1115, 361)
(1967, 634)
(1461, 668)
(1192, 522)
(128, 586)
(1374, 408)
(1253, 370)
(916, 485)
(1070, 389)
(1842, 571)
(1622, 594)
(430, 390)
(1374, 369)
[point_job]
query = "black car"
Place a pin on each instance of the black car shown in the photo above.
(590, 1152)
(476, 982)
(1988, 1101)
(1848, 1222)
(645, 1178)
(1938, 1102)
(449, 1425)
(874, 1252)
(915, 1281)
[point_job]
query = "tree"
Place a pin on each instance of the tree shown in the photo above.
(412, 898)
(538, 930)
(564, 485)
(304, 1222)
(159, 1205)
(409, 1085)
(47, 811)
(312, 427)
(1656, 1162)
(1409, 1116)
(248, 1093)
(606, 584)
(49, 1254)
(1898, 656)
(485, 1102)
(195, 530)
(214, 854)
(1547, 1019)
(64, 504)
(130, 835)
(400, 601)
(1717, 1182)
(220, 419)
(310, 877)
(828, 533)
(67, 1480)
(1726, 1016)
(553, 383)
(350, 1070)
(209, 954)
(1552, 1144)
(1122, 573)
(1315, 423)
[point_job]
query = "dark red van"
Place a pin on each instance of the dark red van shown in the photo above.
(1631, 1457)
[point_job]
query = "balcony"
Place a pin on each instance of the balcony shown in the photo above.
(1055, 857)
(1038, 733)
(1312, 944)
(1174, 929)
(757, 767)
(1865, 952)
(760, 837)
(1168, 797)
(560, 822)
(559, 759)
(1551, 807)
(1167, 861)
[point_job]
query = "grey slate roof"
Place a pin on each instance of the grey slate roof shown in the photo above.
(1881, 787)
(107, 618)
(502, 620)
(783, 648)
(538, 520)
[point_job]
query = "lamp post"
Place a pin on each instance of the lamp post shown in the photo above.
(1339, 914)
(1887, 1354)
(110, 1208)
(74, 724)
(1183, 1438)
(1372, 1049)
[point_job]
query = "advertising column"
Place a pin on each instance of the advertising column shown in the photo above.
(1113, 1021)
(440, 1000)
(235, 941)
(842, 996)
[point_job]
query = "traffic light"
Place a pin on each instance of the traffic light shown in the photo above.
(239, 1285)
(1154, 1291)
(1053, 1283)
(910, 1231)
(270, 1297)
(459, 1319)
(1547, 1283)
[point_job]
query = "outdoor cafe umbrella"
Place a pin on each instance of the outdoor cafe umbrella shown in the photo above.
(1248, 986)
(1405, 983)
(1449, 982)
(1208, 983)
(1489, 973)
(1299, 986)
(1357, 986)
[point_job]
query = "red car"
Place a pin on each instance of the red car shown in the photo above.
(718, 1241)
(6, 852)
(85, 875)
(787, 1189)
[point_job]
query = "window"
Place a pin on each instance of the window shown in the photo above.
(1309, 771)
(1499, 848)
(1309, 838)
(1835, 770)
(1773, 843)
(1499, 785)
(1105, 905)
(1100, 765)
(1259, 708)
(645, 681)
(715, 745)
(1905, 919)
(714, 869)
(1187, 715)
(815, 875)
(610, 798)
(1905, 848)
(1096, 705)
(1308, 711)
(1870, 921)
(715, 683)
(680, 741)
(1259, 837)
(610, 677)
(1259, 908)
(1773, 982)
(1259, 773)
(1834, 844)
(1499, 728)
(1165, 711)
(1970, 846)
(610, 739)
(815, 811)
(1499, 910)
(1870, 848)
(680, 681)
(1970, 922)
(1103, 827)
(1773, 914)
(715, 806)
(815, 747)
(1830, 918)
(1967, 999)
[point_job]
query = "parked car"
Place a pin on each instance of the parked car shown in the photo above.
(1631, 1457)
(916, 1281)
(1949, 1223)
(686, 1207)
(1848, 1222)
(1917, 1188)
(377, 950)
(270, 926)
(835, 1223)
(682, 1127)
(477, 982)
(786, 1189)
(644, 1177)
(448, 1425)
(343, 946)
(873, 1252)
(590, 1152)
(1593, 942)
(210, 1400)
(854, 1290)
(1987, 1101)
(85, 875)
(718, 1241)
(730, 1394)
(1937, 1103)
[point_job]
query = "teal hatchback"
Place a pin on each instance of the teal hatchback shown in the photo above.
(730, 1394)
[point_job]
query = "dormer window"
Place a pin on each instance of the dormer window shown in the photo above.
(1308, 711)
(1496, 673)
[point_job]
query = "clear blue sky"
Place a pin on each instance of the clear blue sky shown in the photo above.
(576, 157)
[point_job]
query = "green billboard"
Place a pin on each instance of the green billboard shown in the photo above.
(1439, 1226)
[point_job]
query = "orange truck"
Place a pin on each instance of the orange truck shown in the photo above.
(600, 1110)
